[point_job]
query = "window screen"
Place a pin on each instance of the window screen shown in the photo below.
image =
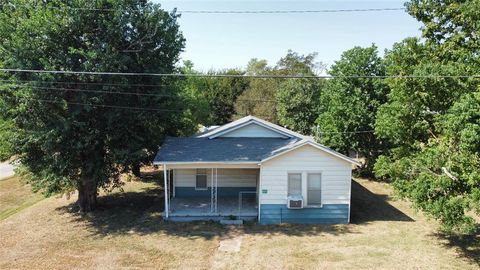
(201, 179)
(294, 184)
(314, 189)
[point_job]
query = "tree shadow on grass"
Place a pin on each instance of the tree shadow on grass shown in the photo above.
(368, 206)
(154, 176)
(468, 246)
(140, 212)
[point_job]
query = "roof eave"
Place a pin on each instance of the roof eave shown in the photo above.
(318, 146)
(205, 162)
(245, 121)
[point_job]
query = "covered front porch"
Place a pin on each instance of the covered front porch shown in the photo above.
(211, 191)
(201, 209)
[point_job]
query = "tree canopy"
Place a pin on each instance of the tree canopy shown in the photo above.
(348, 106)
(431, 118)
(297, 99)
(259, 97)
(80, 132)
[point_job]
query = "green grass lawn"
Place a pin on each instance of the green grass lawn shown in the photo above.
(127, 231)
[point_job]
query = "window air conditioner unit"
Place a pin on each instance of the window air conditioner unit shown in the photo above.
(295, 202)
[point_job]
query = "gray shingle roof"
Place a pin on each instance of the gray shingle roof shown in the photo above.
(192, 149)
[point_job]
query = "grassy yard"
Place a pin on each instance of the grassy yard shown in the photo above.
(15, 196)
(128, 232)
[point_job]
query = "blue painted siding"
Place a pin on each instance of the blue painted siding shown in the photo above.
(188, 192)
(328, 214)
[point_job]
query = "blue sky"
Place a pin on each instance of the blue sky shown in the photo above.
(230, 40)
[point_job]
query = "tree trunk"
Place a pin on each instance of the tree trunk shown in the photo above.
(87, 195)
(136, 170)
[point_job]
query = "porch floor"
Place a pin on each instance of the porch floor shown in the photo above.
(200, 207)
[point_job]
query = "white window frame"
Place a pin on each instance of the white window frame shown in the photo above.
(306, 190)
(301, 181)
(196, 179)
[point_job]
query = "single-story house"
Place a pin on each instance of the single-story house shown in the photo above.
(254, 169)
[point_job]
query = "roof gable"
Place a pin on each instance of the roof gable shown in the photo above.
(289, 148)
(253, 130)
(251, 126)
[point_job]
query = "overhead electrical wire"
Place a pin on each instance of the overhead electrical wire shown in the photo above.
(346, 132)
(92, 91)
(288, 11)
(83, 83)
(201, 75)
(220, 11)
(99, 105)
(117, 92)
(160, 110)
(233, 75)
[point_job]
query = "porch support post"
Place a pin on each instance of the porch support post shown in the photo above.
(259, 191)
(165, 183)
(216, 190)
(174, 182)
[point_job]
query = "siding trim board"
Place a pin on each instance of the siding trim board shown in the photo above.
(328, 214)
(189, 192)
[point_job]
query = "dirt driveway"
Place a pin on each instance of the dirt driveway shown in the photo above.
(6, 170)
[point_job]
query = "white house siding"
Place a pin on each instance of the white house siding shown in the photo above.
(336, 183)
(226, 177)
(230, 182)
(255, 131)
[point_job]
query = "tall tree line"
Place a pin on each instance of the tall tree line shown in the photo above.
(418, 129)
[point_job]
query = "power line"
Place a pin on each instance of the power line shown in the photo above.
(235, 75)
(222, 11)
(101, 105)
(345, 132)
(161, 110)
(64, 8)
(84, 83)
(288, 11)
(154, 109)
(122, 93)
(94, 91)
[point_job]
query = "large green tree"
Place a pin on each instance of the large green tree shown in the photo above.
(71, 131)
(222, 93)
(215, 93)
(442, 176)
(431, 116)
(348, 106)
(298, 104)
(259, 97)
(298, 99)
(449, 26)
(195, 93)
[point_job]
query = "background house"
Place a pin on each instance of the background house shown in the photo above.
(253, 169)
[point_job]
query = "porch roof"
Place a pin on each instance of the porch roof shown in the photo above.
(191, 149)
